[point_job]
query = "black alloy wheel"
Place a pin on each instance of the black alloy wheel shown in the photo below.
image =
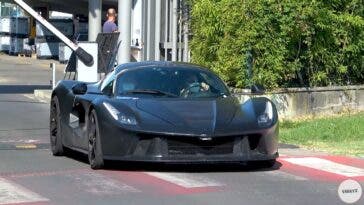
(94, 146)
(55, 128)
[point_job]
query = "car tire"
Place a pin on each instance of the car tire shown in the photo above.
(95, 156)
(55, 131)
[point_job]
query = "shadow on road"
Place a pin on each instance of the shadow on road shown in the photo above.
(170, 167)
(200, 168)
(22, 89)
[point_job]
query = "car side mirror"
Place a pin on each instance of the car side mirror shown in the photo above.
(257, 89)
(79, 89)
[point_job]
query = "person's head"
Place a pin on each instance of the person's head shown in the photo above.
(111, 14)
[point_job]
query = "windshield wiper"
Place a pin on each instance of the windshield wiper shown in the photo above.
(150, 91)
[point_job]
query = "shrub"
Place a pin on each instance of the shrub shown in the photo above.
(288, 42)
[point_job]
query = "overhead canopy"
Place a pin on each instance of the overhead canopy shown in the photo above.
(68, 6)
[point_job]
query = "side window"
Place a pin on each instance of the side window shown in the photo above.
(207, 79)
(107, 84)
(108, 88)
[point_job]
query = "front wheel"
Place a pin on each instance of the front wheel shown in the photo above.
(94, 145)
(55, 131)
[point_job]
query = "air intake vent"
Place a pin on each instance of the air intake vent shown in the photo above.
(195, 146)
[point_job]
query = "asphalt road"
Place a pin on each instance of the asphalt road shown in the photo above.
(30, 175)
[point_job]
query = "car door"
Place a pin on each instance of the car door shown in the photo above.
(104, 90)
(78, 116)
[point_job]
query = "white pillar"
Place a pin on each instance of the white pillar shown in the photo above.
(124, 25)
(94, 19)
(186, 48)
(180, 34)
(151, 31)
(144, 30)
(174, 29)
(158, 20)
(185, 33)
(136, 22)
(166, 26)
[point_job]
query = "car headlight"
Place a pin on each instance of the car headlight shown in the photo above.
(266, 118)
(117, 115)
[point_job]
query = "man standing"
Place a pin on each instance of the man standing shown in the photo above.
(109, 25)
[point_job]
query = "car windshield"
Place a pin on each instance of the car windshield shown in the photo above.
(171, 82)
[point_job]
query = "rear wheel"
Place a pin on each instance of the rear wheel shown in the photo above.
(94, 145)
(55, 128)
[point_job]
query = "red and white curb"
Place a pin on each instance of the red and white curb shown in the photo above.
(324, 167)
(281, 175)
(99, 184)
(186, 180)
(327, 166)
(167, 183)
(104, 182)
(11, 193)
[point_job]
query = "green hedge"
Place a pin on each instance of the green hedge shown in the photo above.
(288, 42)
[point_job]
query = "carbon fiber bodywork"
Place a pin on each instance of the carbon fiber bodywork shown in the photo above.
(173, 130)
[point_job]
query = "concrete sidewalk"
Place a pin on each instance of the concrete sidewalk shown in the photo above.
(16, 70)
(24, 75)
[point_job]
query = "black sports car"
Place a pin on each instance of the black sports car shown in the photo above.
(161, 112)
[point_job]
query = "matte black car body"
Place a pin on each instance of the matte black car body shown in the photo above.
(169, 129)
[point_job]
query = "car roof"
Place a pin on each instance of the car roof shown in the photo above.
(136, 65)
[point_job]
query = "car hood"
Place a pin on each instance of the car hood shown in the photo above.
(195, 116)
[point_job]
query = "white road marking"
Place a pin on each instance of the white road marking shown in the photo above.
(186, 180)
(99, 184)
(285, 175)
(36, 99)
(11, 193)
(326, 165)
(2, 80)
(30, 96)
(29, 141)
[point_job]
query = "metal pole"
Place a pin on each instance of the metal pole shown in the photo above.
(180, 34)
(144, 30)
(85, 57)
(185, 43)
(53, 67)
(94, 19)
(249, 62)
(174, 29)
(185, 33)
(166, 22)
(147, 28)
(124, 19)
(158, 11)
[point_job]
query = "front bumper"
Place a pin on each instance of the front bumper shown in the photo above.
(192, 159)
(148, 147)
